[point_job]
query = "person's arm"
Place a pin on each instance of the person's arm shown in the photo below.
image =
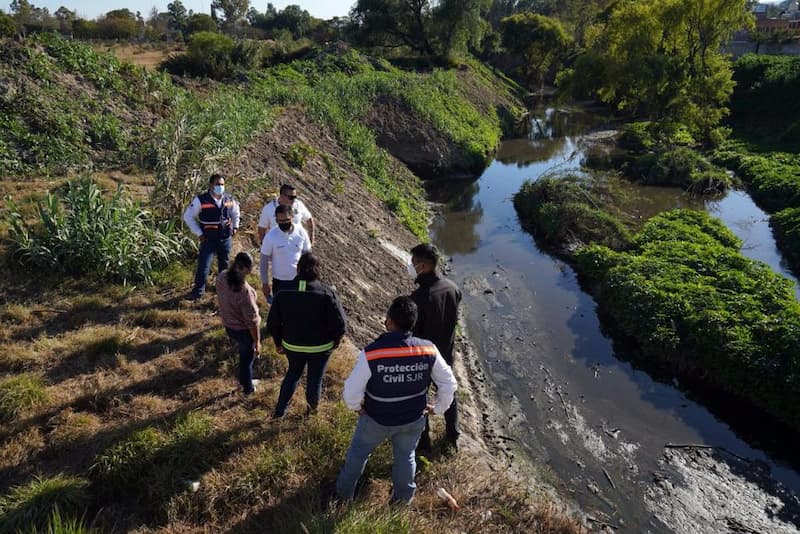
(253, 317)
(306, 242)
(263, 269)
(263, 222)
(419, 325)
(190, 218)
(275, 325)
(236, 215)
(310, 228)
(356, 384)
(442, 375)
(336, 319)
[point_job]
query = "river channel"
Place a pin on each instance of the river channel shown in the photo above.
(596, 425)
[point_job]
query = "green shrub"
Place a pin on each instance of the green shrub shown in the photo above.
(561, 211)
(86, 234)
(214, 55)
(682, 167)
(646, 135)
(298, 155)
(36, 503)
(8, 27)
(786, 224)
(60, 524)
(19, 394)
(691, 300)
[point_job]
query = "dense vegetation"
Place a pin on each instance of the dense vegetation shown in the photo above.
(680, 289)
(764, 103)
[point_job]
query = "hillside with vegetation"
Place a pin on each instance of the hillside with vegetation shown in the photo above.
(117, 397)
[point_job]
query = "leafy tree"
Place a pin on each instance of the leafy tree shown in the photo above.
(65, 19)
(541, 42)
(8, 28)
(425, 26)
(84, 29)
(118, 24)
(233, 11)
(394, 24)
(662, 60)
(200, 22)
(178, 17)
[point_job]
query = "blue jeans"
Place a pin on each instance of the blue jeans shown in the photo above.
(208, 248)
(317, 363)
(367, 437)
(245, 343)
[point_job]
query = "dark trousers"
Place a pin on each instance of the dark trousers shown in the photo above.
(245, 343)
(208, 249)
(451, 431)
(317, 362)
(277, 285)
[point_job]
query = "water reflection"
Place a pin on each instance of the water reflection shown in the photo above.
(456, 232)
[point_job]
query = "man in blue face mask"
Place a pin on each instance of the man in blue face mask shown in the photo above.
(214, 218)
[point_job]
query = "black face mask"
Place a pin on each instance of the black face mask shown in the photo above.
(285, 227)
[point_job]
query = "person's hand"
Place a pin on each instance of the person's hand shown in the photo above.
(267, 291)
(362, 411)
(201, 237)
(428, 410)
(280, 350)
(257, 347)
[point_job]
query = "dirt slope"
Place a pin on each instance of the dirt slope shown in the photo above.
(350, 222)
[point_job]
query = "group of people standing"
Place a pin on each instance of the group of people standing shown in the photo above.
(389, 383)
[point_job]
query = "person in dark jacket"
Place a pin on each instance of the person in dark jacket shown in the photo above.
(437, 300)
(306, 322)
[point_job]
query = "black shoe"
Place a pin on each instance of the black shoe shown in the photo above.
(193, 296)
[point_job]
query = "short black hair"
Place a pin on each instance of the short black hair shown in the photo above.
(308, 267)
(426, 252)
(281, 208)
(214, 177)
(285, 188)
(403, 313)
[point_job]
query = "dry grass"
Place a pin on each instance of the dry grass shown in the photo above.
(145, 56)
(141, 398)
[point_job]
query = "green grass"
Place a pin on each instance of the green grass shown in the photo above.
(20, 393)
(40, 503)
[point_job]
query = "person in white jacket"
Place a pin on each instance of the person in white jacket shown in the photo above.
(389, 387)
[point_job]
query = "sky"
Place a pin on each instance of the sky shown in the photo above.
(323, 9)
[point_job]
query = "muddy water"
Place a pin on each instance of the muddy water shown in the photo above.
(572, 404)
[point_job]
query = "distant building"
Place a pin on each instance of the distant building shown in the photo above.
(760, 11)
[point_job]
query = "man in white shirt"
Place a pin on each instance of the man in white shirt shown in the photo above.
(282, 247)
(389, 387)
(213, 217)
(300, 213)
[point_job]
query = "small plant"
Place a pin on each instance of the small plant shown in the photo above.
(86, 234)
(33, 504)
(19, 394)
(58, 524)
(298, 155)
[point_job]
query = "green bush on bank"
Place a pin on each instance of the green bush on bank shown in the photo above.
(687, 296)
(786, 227)
(773, 178)
(85, 233)
(563, 210)
(765, 96)
(680, 167)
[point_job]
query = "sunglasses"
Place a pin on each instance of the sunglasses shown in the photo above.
(291, 197)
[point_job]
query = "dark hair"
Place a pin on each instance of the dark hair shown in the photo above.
(214, 177)
(243, 261)
(308, 267)
(285, 188)
(282, 208)
(427, 253)
(403, 313)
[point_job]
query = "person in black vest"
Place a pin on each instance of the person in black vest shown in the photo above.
(389, 387)
(214, 218)
(437, 300)
(306, 322)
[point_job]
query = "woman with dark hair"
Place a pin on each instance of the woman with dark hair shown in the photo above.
(306, 322)
(238, 309)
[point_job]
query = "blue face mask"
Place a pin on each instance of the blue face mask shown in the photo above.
(218, 189)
